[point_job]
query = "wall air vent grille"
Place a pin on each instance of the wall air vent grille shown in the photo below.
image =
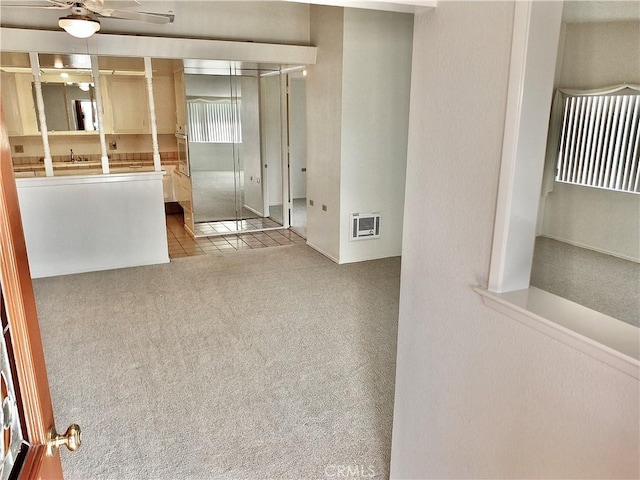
(364, 226)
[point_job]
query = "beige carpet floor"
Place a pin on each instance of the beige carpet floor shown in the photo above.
(604, 283)
(266, 364)
(218, 196)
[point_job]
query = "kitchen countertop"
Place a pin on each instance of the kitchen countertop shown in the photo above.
(87, 167)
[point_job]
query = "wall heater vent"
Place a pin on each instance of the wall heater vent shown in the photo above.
(365, 226)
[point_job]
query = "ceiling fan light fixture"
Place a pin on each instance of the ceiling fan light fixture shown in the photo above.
(79, 26)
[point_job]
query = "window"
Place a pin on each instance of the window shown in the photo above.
(533, 58)
(600, 141)
(214, 121)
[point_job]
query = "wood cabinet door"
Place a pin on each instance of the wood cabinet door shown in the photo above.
(165, 103)
(129, 106)
(10, 101)
(26, 414)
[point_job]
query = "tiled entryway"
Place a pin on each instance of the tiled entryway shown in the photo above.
(181, 244)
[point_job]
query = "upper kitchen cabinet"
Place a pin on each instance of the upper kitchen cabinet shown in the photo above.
(164, 94)
(124, 94)
(17, 97)
(128, 104)
(180, 96)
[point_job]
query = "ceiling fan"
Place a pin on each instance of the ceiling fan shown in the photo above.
(82, 22)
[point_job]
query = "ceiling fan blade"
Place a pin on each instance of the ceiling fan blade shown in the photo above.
(98, 6)
(158, 18)
(48, 4)
(119, 4)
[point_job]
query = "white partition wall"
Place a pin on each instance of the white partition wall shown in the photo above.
(80, 224)
(478, 394)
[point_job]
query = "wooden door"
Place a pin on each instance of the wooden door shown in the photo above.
(26, 413)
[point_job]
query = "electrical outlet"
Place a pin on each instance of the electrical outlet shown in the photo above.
(19, 149)
(304, 169)
(324, 208)
(113, 145)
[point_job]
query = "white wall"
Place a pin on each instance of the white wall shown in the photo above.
(479, 395)
(600, 54)
(357, 117)
(81, 224)
(601, 220)
(324, 104)
(376, 82)
(596, 55)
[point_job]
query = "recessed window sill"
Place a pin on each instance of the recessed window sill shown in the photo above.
(607, 339)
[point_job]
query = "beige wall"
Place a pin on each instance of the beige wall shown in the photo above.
(600, 54)
(357, 117)
(324, 104)
(376, 86)
(479, 395)
(601, 220)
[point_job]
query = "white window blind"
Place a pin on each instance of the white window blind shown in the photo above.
(600, 142)
(214, 121)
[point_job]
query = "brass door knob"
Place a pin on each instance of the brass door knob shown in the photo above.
(71, 439)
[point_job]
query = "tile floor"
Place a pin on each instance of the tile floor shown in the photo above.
(181, 244)
(216, 228)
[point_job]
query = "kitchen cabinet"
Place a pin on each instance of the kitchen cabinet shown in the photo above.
(128, 104)
(164, 100)
(17, 100)
(182, 189)
(168, 187)
(180, 98)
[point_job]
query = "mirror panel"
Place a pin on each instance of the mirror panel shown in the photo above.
(68, 93)
(230, 124)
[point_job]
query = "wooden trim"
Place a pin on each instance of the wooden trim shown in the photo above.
(38, 466)
(22, 316)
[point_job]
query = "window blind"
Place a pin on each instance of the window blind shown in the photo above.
(214, 122)
(600, 141)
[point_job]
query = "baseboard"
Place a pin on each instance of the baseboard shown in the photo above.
(589, 247)
(319, 250)
(260, 214)
(48, 272)
(369, 258)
